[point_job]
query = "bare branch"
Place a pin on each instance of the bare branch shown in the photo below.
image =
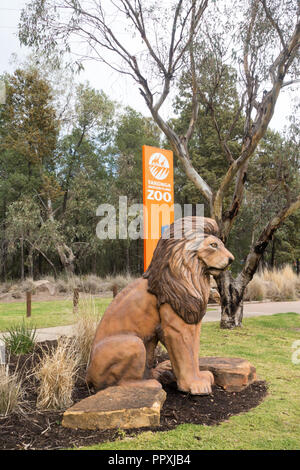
(260, 245)
(195, 102)
(137, 18)
(263, 116)
(180, 148)
(236, 117)
(290, 82)
(273, 22)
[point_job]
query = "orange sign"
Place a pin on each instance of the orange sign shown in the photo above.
(158, 196)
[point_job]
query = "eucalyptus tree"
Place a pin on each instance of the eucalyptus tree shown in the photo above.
(26, 228)
(260, 38)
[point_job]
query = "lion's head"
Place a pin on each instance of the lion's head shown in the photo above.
(185, 256)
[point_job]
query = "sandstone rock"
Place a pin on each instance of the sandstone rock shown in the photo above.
(44, 286)
(232, 373)
(117, 407)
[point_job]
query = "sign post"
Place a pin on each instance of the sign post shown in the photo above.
(158, 196)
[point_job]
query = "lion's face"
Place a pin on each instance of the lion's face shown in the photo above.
(187, 253)
(214, 255)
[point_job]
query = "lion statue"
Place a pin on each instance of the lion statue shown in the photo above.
(166, 304)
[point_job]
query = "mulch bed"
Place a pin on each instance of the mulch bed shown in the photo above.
(35, 429)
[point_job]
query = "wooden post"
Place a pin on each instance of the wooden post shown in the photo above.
(115, 290)
(28, 304)
(75, 300)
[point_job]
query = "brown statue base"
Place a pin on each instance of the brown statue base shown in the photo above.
(130, 406)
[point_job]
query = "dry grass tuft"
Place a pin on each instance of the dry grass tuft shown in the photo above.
(56, 374)
(89, 283)
(274, 284)
(88, 318)
(256, 289)
(10, 391)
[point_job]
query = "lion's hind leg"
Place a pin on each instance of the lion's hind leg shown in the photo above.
(118, 360)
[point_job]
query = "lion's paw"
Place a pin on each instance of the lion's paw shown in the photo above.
(199, 386)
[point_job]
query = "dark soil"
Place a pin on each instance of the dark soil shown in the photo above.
(32, 429)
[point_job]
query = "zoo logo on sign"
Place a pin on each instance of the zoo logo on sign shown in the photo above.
(159, 166)
(158, 196)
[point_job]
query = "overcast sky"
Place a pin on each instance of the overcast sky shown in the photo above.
(100, 76)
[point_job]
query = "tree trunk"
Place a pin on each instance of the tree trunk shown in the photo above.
(40, 259)
(30, 262)
(65, 253)
(231, 293)
(273, 254)
(127, 255)
(4, 260)
(67, 258)
(232, 290)
(4, 244)
(94, 264)
(22, 258)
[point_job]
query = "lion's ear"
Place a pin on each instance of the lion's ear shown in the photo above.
(210, 226)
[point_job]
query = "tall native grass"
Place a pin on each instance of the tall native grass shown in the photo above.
(93, 284)
(274, 284)
(10, 391)
(90, 283)
(57, 371)
(87, 319)
(56, 374)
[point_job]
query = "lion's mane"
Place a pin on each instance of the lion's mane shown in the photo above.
(176, 275)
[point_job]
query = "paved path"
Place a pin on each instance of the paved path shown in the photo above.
(256, 309)
(250, 310)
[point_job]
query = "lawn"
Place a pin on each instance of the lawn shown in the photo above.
(45, 313)
(48, 313)
(275, 424)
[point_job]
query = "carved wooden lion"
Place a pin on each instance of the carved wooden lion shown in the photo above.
(167, 304)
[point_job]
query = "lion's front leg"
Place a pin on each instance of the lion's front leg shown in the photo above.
(182, 343)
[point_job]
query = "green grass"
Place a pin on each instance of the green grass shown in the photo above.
(43, 314)
(20, 338)
(273, 425)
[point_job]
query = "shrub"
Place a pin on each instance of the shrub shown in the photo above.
(16, 294)
(56, 374)
(274, 284)
(10, 391)
(255, 290)
(284, 280)
(91, 284)
(62, 286)
(5, 286)
(120, 281)
(20, 339)
(26, 285)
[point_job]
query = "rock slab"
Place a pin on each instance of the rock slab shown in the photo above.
(117, 407)
(231, 373)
